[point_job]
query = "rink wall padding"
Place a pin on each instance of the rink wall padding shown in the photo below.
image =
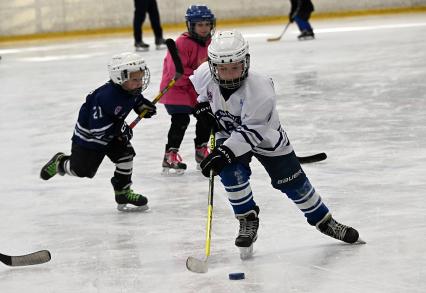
(32, 18)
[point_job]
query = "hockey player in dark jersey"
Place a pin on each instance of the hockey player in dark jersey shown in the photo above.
(101, 130)
(300, 12)
(241, 107)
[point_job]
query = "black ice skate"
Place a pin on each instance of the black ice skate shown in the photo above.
(247, 235)
(306, 35)
(141, 46)
(129, 201)
(160, 44)
(52, 167)
(332, 228)
(172, 163)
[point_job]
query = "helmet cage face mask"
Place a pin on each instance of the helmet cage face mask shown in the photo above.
(145, 81)
(229, 47)
(199, 13)
(233, 83)
(123, 64)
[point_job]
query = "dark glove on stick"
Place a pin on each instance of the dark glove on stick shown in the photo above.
(123, 132)
(203, 112)
(217, 160)
(143, 105)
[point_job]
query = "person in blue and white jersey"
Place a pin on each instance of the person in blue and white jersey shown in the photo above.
(241, 108)
(101, 130)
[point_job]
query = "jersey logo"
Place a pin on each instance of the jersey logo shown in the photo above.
(229, 121)
(117, 110)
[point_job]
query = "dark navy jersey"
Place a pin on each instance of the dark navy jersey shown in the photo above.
(104, 110)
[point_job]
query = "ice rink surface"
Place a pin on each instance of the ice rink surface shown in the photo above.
(357, 92)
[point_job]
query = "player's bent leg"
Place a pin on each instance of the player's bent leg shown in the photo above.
(307, 200)
(318, 215)
(288, 177)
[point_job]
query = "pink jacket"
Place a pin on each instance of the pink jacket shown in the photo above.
(192, 55)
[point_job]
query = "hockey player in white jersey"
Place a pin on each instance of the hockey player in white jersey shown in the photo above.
(241, 107)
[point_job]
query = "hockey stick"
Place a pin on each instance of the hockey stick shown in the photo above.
(193, 264)
(312, 159)
(171, 46)
(34, 258)
(280, 36)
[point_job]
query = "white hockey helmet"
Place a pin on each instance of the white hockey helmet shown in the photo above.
(228, 47)
(123, 64)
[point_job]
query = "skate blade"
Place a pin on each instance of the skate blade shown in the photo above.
(196, 265)
(141, 49)
(131, 208)
(360, 241)
(306, 38)
(246, 252)
(172, 172)
(160, 47)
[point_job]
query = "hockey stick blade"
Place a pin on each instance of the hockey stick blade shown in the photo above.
(171, 47)
(174, 53)
(273, 39)
(312, 159)
(281, 35)
(196, 265)
(34, 258)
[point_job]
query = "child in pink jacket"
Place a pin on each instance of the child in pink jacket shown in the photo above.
(181, 98)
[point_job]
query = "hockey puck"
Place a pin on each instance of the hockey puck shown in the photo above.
(236, 276)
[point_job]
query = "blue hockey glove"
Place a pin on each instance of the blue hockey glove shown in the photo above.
(143, 105)
(123, 132)
(203, 112)
(217, 160)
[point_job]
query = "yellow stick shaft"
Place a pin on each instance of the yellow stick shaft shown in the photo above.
(210, 199)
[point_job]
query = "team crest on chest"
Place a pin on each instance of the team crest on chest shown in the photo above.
(117, 110)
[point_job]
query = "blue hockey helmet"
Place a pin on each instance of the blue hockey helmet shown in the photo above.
(198, 13)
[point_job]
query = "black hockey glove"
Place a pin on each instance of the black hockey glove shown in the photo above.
(123, 132)
(291, 17)
(203, 112)
(217, 160)
(143, 105)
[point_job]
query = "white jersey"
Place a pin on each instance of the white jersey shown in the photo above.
(249, 117)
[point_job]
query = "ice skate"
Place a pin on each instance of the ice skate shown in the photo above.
(160, 44)
(172, 163)
(129, 201)
(247, 235)
(201, 152)
(141, 47)
(332, 228)
(306, 35)
(52, 167)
